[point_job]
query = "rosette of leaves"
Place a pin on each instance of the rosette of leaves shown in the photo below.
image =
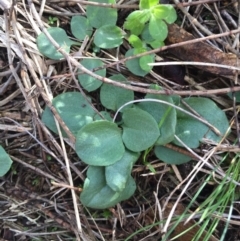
(150, 23)
(110, 149)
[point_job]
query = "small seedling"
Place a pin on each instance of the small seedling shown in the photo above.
(52, 20)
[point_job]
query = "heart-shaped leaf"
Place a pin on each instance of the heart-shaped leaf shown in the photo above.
(80, 27)
(108, 37)
(5, 162)
(46, 47)
(118, 173)
(74, 109)
(100, 16)
(88, 82)
(113, 97)
(99, 143)
(97, 194)
(140, 129)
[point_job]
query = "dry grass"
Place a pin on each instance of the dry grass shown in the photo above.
(39, 197)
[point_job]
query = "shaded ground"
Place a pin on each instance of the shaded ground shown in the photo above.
(35, 198)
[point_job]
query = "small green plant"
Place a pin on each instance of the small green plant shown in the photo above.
(35, 182)
(146, 29)
(109, 148)
(5, 162)
(52, 20)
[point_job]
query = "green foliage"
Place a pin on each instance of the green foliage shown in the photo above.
(80, 27)
(111, 149)
(158, 29)
(88, 82)
(99, 16)
(146, 4)
(140, 129)
(150, 23)
(187, 127)
(74, 109)
(108, 37)
(118, 173)
(164, 115)
(147, 27)
(97, 194)
(113, 97)
(170, 156)
(134, 64)
(52, 20)
(5, 162)
(45, 46)
(99, 143)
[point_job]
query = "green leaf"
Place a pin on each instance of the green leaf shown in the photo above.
(170, 156)
(164, 115)
(133, 65)
(80, 27)
(118, 173)
(100, 16)
(45, 46)
(139, 51)
(135, 41)
(5, 162)
(146, 4)
(140, 129)
(133, 23)
(158, 29)
(108, 37)
(113, 97)
(88, 82)
(145, 35)
(97, 194)
(172, 14)
(191, 131)
(145, 60)
(165, 12)
(74, 109)
(99, 143)
(156, 44)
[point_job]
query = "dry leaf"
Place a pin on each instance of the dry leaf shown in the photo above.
(200, 52)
